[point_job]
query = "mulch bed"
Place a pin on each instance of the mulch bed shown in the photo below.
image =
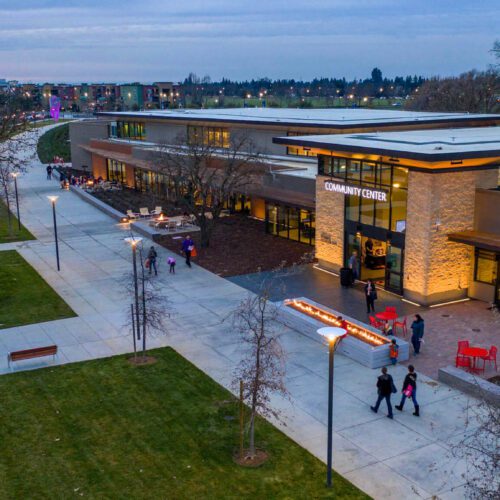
(142, 360)
(240, 245)
(246, 461)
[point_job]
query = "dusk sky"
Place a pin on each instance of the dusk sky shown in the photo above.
(158, 40)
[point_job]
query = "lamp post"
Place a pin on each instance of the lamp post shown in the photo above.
(133, 241)
(53, 200)
(15, 174)
(333, 335)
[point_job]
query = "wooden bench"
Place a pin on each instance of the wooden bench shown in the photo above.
(37, 352)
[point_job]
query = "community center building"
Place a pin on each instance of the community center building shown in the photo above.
(414, 196)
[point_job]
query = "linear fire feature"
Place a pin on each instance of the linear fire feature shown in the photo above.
(363, 343)
(330, 319)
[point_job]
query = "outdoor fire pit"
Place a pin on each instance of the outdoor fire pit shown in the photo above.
(363, 342)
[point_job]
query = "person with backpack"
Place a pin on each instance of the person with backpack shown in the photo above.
(393, 352)
(385, 387)
(152, 255)
(410, 391)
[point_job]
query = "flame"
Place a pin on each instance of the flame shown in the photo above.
(330, 319)
(161, 217)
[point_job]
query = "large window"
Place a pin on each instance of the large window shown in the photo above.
(298, 150)
(391, 214)
(209, 136)
(289, 222)
(486, 267)
(146, 180)
(130, 130)
(116, 171)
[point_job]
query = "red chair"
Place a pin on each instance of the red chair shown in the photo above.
(491, 358)
(375, 323)
(401, 324)
(390, 309)
(460, 359)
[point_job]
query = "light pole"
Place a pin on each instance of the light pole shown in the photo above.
(133, 241)
(53, 200)
(334, 335)
(15, 174)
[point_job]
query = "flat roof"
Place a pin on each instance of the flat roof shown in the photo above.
(478, 239)
(340, 118)
(426, 145)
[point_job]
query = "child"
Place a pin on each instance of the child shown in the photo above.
(393, 351)
(171, 263)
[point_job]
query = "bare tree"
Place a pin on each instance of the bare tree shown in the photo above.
(16, 147)
(474, 92)
(203, 172)
(480, 447)
(262, 368)
(153, 308)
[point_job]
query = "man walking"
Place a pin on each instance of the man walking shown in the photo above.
(187, 248)
(353, 266)
(371, 296)
(49, 171)
(385, 387)
(152, 255)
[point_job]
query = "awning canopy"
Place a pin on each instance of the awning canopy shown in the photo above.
(478, 239)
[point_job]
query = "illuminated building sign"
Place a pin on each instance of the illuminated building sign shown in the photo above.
(353, 190)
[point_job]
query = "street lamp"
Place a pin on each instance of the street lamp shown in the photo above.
(53, 200)
(15, 174)
(133, 241)
(334, 335)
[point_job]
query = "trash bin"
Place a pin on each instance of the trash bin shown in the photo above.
(346, 276)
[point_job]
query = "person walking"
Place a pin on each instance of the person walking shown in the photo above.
(385, 387)
(352, 264)
(187, 248)
(417, 328)
(49, 172)
(371, 296)
(410, 391)
(152, 255)
(171, 263)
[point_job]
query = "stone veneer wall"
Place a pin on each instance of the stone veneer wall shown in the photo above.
(329, 226)
(435, 268)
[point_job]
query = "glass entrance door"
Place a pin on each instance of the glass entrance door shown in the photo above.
(394, 269)
(497, 287)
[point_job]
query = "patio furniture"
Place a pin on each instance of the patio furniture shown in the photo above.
(462, 344)
(375, 323)
(401, 324)
(161, 224)
(144, 212)
(390, 309)
(475, 353)
(157, 211)
(172, 225)
(132, 215)
(387, 316)
(492, 357)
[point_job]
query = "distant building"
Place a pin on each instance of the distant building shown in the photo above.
(132, 96)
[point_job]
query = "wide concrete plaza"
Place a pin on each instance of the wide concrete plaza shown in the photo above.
(407, 457)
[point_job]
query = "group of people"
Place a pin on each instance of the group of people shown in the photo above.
(188, 249)
(386, 388)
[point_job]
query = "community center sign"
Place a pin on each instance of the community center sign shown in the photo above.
(353, 190)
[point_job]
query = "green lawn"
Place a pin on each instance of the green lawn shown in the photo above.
(25, 297)
(106, 429)
(17, 235)
(54, 142)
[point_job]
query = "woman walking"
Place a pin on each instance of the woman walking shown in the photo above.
(187, 248)
(410, 391)
(417, 328)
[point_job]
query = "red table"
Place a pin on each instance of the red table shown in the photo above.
(387, 316)
(474, 353)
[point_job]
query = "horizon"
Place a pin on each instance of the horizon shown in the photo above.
(63, 41)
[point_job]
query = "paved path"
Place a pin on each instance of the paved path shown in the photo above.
(404, 458)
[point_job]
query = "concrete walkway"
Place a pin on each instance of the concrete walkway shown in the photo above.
(406, 458)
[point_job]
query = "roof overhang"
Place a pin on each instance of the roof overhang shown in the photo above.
(478, 239)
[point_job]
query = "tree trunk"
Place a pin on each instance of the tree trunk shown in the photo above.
(9, 214)
(251, 436)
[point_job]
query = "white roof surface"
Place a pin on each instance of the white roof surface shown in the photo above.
(483, 140)
(334, 117)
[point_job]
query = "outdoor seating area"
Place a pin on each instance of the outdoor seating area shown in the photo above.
(475, 358)
(388, 319)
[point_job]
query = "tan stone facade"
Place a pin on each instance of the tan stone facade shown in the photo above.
(436, 269)
(329, 227)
